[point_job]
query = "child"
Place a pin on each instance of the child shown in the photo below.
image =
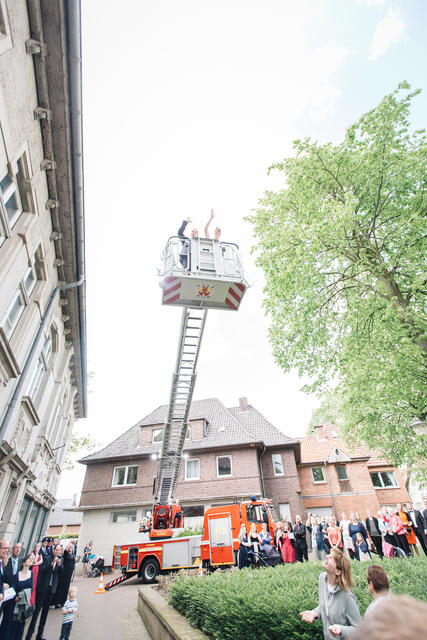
(362, 545)
(69, 609)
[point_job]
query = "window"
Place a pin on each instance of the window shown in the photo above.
(277, 464)
(192, 469)
(30, 280)
(23, 178)
(383, 479)
(41, 367)
(118, 517)
(223, 466)
(284, 511)
(125, 476)
(157, 435)
(317, 474)
(334, 433)
(342, 472)
(194, 511)
(13, 314)
(11, 205)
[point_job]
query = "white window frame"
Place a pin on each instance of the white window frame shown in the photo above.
(277, 457)
(156, 431)
(345, 469)
(123, 511)
(223, 475)
(323, 475)
(186, 468)
(10, 330)
(10, 191)
(125, 482)
(29, 290)
(379, 474)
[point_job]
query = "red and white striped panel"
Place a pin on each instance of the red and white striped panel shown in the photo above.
(234, 295)
(171, 289)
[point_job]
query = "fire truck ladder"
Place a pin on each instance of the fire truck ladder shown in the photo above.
(176, 424)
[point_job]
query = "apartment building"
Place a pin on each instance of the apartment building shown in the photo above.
(42, 290)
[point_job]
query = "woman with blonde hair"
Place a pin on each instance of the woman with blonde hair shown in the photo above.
(337, 608)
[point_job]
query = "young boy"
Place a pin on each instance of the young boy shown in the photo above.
(69, 609)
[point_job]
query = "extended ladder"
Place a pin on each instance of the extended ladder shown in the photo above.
(176, 424)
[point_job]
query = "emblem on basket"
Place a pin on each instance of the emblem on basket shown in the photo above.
(205, 290)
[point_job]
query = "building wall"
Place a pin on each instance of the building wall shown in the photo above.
(286, 488)
(31, 449)
(362, 496)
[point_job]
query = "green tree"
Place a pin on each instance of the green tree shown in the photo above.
(77, 445)
(342, 246)
(328, 411)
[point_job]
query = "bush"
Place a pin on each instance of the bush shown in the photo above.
(265, 603)
(189, 532)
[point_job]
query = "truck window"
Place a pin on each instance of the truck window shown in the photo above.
(253, 513)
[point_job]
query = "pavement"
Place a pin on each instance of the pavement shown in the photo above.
(110, 615)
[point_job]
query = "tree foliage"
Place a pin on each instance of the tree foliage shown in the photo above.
(342, 246)
(77, 445)
(328, 411)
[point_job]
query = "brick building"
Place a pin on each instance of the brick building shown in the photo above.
(335, 478)
(229, 455)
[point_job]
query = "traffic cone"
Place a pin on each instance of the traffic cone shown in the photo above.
(101, 585)
(201, 571)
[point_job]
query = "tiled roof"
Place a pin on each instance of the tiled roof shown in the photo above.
(314, 451)
(60, 517)
(227, 427)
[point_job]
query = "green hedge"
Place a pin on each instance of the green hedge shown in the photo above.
(265, 603)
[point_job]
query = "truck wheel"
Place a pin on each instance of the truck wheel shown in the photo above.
(149, 570)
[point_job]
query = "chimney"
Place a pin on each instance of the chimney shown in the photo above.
(243, 402)
(320, 432)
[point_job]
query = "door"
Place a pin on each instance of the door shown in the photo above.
(133, 559)
(221, 539)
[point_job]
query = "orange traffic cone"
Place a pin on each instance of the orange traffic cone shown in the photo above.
(201, 570)
(101, 585)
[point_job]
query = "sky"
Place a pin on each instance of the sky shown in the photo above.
(186, 104)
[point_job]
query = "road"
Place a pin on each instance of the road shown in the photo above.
(108, 615)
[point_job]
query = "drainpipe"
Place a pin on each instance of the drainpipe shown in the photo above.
(260, 470)
(18, 392)
(330, 489)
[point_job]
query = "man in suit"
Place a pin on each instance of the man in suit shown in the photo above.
(419, 524)
(47, 584)
(10, 570)
(301, 550)
(373, 528)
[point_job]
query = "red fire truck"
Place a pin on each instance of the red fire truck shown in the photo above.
(217, 547)
(210, 277)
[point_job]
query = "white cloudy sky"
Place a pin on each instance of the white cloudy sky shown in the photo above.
(186, 104)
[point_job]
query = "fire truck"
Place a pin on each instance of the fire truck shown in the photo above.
(210, 277)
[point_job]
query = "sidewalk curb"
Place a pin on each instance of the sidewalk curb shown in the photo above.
(162, 621)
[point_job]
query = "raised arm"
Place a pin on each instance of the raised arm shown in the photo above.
(182, 228)
(208, 223)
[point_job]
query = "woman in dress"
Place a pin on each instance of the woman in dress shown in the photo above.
(288, 551)
(316, 538)
(384, 525)
(355, 527)
(38, 560)
(410, 533)
(346, 537)
(265, 538)
(398, 530)
(23, 584)
(254, 540)
(337, 608)
(334, 534)
(86, 553)
(244, 547)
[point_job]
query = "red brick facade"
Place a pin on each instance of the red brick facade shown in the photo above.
(251, 466)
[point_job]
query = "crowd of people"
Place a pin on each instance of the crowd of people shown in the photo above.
(31, 584)
(392, 532)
